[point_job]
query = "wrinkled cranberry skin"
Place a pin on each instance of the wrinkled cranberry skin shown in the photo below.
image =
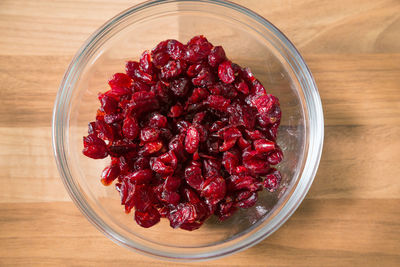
(214, 189)
(216, 56)
(225, 72)
(109, 104)
(194, 177)
(272, 180)
(147, 218)
(94, 147)
(190, 135)
(192, 140)
(120, 84)
(109, 174)
(130, 128)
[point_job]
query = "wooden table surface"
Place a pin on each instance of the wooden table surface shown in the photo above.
(351, 216)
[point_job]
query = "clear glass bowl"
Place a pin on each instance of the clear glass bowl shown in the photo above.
(249, 40)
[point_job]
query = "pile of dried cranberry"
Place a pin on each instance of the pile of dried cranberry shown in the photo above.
(189, 133)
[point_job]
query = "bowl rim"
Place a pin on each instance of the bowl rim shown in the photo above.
(312, 156)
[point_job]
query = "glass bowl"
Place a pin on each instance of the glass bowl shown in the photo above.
(248, 40)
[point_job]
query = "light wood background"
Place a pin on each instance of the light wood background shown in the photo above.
(351, 216)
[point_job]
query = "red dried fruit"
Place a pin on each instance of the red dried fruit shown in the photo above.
(246, 199)
(108, 104)
(198, 95)
(272, 180)
(150, 148)
(140, 177)
(180, 87)
(145, 62)
(275, 157)
(216, 56)
(242, 87)
(225, 209)
(175, 111)
(134, 70)
(175, 49)
(110, 173)
(120, 84)
(255, 162)
(182, 213)
(225, 72)
(143, 197)
(121, 147)
(94, 147)
(218, 102)
(211, 167)
(147, 218)
(130, 128)
(264, 145)
(170, 197)
(104, 131)
(217, 119)
(230, 135)
(239, 182)
(164, 164)
(214, 189)
(198, 48)
(192, 140)
(171, 69)
(172, 183)
(157, 120)
(193, 177)
(231, 160)
(142, 102)
(204, 78)
(149, 134)
(141, 163)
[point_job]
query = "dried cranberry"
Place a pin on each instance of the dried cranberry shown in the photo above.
(149, 134)
(242, 87)
(145, 62)
(272, 180)
(192, 140)
(140, 177)
(157, 120)
(264, 145)
(171, 69)
(175, 111)
(147, 218)
(214, 189)
(175, 49)
(225, 72)
(94, 147)
(193, 177)
(216, 56)
(110, 173)
(246, 199)
(231, 160)
(120, 84)
(180, 86)
(204, 78)
(150, 148)
(134, 70)
(218, 102)
(108, 104)
(172, 183)
(275, 157)
(198, 48)
(130, 128)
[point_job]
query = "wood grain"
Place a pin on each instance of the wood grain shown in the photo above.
(351, 216)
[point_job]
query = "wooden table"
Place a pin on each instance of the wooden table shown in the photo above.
(351, 216)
